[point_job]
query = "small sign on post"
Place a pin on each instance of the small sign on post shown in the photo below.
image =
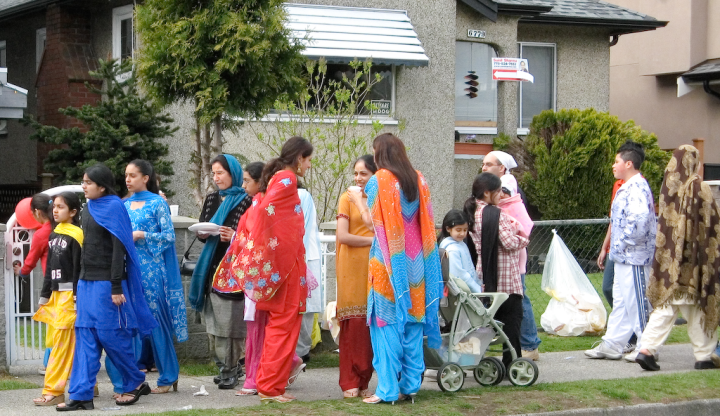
(511, 69)
(380, 107)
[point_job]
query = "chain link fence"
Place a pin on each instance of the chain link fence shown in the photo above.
(584, 239)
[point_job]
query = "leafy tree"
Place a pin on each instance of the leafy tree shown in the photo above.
(227, 57)
(328, 114)
(565, 163)
(122, 127)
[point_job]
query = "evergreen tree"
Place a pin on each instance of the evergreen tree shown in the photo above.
(227, 57)
(122, 127)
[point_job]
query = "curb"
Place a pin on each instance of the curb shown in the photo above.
(707, 407)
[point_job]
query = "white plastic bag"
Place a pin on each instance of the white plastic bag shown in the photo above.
(575, 308)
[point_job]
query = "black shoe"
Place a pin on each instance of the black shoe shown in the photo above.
(704, 365)
(228, 383)
(306, 358)
(72, 405)
(680, 321)
(217, 379)
(240, 373)
(143, 390)
(647, 362)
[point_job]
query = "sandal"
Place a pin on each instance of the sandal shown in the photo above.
(351, 393)
(375, 399)
(295, 374)
(365, 393)
(165, 389)
(49, 400)
(246, 392)
(72, 405)
(277, 399)
(143, 390)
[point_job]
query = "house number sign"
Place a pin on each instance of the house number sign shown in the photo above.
(480, 34)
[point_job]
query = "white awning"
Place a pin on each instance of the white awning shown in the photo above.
(340, 34)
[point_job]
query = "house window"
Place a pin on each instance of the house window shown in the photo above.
(40, 38)
(540, 95)
(475, 90)
(122, 32)
(3, 56)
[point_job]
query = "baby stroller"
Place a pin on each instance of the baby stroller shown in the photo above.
(472, 331)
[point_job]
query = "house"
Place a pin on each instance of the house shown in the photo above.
(426, 50)
(668, 81)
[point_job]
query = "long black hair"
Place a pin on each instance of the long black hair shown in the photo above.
(42, 203)
(452, 219)
(369, 161)
(146, 169)
(483, 182)
(390, 154)
(73, 203)
(294, 148)
(102, 176)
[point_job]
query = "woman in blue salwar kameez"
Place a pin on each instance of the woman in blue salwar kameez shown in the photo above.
(154, 238)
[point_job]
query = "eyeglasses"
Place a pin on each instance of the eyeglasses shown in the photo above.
(88, 183)
(490, 165)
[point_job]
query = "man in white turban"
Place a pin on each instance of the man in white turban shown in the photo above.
(499, 164)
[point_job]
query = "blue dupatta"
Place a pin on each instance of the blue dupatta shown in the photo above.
(233, 196)
(173, 284)
(110, 213)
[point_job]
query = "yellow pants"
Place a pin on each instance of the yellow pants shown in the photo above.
(60, 363)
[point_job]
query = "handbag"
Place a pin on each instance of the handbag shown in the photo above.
(187, 266)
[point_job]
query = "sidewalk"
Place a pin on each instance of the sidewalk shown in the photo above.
(321, 384)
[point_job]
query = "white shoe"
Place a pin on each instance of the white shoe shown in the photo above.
(602, 351)
(631, 357)
(629, 348)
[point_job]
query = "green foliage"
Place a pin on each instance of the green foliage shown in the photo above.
(566, 161)
(122, 127)
(225, 56)
(327, 115)
(502, 142)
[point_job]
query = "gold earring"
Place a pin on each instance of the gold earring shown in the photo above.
(297, 170)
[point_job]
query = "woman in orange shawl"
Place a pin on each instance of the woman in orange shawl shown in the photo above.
(267, 261)
(404, 278)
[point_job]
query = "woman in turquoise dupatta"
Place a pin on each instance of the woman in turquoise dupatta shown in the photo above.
(222, 312)
(154, 238)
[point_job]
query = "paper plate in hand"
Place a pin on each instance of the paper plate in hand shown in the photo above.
(205, 228)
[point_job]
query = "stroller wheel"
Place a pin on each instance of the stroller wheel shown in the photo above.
(450, 377)
(489, 372)
(523, 372)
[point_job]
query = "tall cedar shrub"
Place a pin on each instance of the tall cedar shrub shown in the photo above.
(122, 127)
(566, 161)
(229, 58)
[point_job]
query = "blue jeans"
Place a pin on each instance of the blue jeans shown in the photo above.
(528, 330)
(608, 279)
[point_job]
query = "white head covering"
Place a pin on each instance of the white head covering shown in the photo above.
(504, 158)
(509, 182)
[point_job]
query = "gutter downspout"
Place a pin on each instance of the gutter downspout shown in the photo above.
(706, 87)
(614, 40)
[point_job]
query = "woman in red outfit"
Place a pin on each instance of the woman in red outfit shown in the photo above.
(41, 209)
(270, 266)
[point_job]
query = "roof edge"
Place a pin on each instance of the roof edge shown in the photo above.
(487, 8)
(26, 8)
(523, 9)
(622, 26)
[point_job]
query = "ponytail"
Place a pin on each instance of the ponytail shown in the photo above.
(294, 148)
(42, 203)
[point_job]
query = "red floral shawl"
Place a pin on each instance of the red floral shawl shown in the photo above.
(268, 247)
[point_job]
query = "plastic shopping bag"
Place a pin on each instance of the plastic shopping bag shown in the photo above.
(575, 308)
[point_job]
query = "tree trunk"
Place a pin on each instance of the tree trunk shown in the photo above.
(217, 137)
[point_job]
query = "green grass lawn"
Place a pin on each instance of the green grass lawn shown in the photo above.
(195, 368)
(510, 400)
(8, 382)
(553, 343)
(23, 331)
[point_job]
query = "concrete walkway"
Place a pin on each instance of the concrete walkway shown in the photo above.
(321, 384)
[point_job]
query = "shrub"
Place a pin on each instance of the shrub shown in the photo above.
(566, 161)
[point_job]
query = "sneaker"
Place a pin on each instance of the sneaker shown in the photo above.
(602, 351)
(41, 371)
(631, 357)
(629, 348)
(532, 355)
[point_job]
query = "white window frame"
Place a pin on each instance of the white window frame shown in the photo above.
(40, 40)
(3, 47)
(524, 130)
(118, 15)
(480, 130)
(362, 118)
